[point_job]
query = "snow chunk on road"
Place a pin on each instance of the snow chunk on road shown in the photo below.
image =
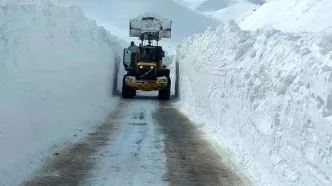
(266, 96)
(55, 78)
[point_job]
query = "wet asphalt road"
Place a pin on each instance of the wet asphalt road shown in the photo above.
(142, 142)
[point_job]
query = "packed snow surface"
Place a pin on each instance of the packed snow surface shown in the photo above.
(267, 97)
(136, 153)
(55, 78)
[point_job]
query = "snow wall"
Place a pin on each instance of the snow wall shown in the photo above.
(267, 97)
(56, 69)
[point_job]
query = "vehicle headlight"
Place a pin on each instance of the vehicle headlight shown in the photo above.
(140, 66)
(151, 67)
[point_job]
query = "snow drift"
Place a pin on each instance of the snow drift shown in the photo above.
(268, 98)
(55, 78)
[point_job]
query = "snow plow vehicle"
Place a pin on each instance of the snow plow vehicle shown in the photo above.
(145, 68)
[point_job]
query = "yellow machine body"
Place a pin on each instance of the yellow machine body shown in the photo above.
(146, 85)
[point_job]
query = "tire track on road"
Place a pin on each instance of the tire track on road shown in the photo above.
(191, 159)
(72, 166)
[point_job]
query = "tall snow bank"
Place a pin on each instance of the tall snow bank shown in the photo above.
(291, 15)
(267, 97)
(55, 78)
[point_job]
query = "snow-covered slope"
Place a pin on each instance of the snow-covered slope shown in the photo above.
(236, 11)
(206, 5)
(291, 15)
(224, 9)
(266, 97)
(55, 78)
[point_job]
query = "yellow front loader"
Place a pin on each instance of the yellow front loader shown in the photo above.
(145, 71)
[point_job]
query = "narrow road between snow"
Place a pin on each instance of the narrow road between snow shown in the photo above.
(143, 142)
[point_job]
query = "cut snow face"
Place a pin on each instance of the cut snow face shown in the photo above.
(291, 15)
(267, 98)
(55, 73)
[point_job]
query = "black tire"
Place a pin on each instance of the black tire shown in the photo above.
(165, 93)
(127, 92)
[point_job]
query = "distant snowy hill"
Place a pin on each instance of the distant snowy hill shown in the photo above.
(117, 13)
(291, 15)
(224, 9)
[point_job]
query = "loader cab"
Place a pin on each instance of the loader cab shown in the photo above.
(149, 55)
